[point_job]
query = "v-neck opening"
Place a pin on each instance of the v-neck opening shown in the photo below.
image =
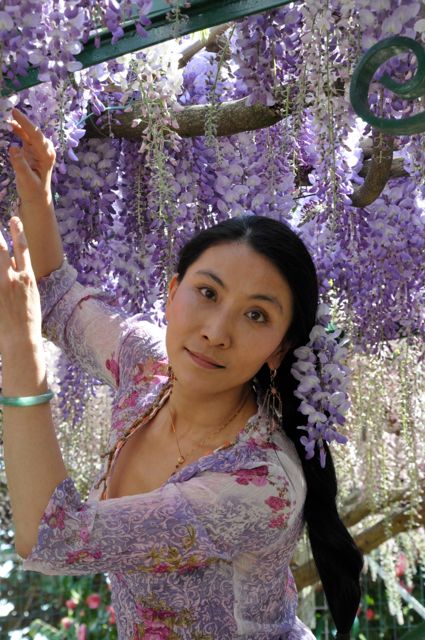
(149, 415)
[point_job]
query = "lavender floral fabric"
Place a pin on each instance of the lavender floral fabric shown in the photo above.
(206, 555)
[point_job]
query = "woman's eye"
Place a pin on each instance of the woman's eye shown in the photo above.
(257, 316)
(206, 292)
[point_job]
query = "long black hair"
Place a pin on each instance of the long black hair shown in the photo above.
(339, 561)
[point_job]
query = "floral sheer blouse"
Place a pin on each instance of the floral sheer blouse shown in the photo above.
(206, 555)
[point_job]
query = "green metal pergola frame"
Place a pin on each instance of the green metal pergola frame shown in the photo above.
(204, 14)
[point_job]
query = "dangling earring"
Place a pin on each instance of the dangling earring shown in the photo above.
(273, 400)
(171, 374)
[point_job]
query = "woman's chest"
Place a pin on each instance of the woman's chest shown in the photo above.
(149, 457)
(142, 464)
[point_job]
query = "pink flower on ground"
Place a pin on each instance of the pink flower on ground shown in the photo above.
(71, 604)
(82, 632)
(66, 622)
(93, 601)
(276, 503)
(257, 476)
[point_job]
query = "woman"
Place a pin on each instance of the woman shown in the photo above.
(205, 490)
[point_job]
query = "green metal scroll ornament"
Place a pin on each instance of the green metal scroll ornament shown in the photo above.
(414, 88)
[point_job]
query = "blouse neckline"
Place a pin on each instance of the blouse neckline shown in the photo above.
(259, 423)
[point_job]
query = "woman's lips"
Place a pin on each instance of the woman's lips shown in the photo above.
(197, 359)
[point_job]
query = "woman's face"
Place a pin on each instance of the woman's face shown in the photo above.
(226, 318)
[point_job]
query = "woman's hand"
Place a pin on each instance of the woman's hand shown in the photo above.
(33, 165)
(33, 162)
(20, 311)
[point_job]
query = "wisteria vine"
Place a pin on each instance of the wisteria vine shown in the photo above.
(125, 206)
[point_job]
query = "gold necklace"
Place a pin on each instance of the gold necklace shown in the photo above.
(182, 459)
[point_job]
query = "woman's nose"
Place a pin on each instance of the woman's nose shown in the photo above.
(217, 331)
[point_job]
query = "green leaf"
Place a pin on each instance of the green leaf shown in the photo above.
(415, 634)
(50, 633)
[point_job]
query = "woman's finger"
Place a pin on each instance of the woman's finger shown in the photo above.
(18, 131)
(20, 164)
(4, 253)
(20, 245)
(26, 125)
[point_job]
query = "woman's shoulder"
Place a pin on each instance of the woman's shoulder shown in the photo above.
(140, 355)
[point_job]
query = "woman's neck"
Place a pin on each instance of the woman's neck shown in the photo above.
(208, 412)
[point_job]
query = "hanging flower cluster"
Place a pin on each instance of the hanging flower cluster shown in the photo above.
(126, 206)
(323, 380)
(48, 35)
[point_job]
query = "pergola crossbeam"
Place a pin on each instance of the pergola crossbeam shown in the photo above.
(202, 14)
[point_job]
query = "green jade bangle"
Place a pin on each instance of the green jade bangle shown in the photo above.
(26, 401)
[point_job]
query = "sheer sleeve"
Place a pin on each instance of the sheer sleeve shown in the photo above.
(178, 527)
(86, 325)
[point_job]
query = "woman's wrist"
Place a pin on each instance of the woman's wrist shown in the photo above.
(42, 202)
(24, 368)
(23, 346)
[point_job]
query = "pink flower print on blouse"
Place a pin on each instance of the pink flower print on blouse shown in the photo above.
(56, 519)
(158, 632)
(158, 622)
(168, 558)
(277, 503)
(112, 366)
(257, 476)
(85, 535)
(152, 370)
(82, 554)
(119, 425)
(262, 444)
(128, 400)
(279, 522)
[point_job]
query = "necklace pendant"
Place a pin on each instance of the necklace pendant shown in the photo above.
(180, 460)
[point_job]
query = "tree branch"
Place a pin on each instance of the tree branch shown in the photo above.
(399, 521)
(355, 510)
(378, 171)
(236, 117)
(232, 117)
(212, 43)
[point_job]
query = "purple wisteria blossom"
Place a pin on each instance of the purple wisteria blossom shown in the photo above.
(125, 207)
(322, 389)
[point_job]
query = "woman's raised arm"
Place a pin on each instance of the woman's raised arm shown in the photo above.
(32, 457)
(33, 164)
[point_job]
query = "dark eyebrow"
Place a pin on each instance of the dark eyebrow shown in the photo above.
(266, 298)
(214, 277)
(255, 296)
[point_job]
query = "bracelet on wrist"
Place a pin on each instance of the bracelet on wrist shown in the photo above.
(26, 401)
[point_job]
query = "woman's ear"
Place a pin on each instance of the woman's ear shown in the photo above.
(277, 356)
(172, 288)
